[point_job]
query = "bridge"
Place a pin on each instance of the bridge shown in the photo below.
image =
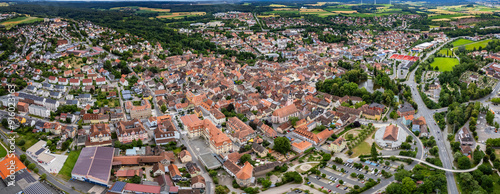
(436, 167)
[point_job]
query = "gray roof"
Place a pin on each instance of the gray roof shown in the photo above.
(95, 162)
(50, 101)
(28, 96)
(37, 188)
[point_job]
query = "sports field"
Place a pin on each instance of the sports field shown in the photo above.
(444, 64)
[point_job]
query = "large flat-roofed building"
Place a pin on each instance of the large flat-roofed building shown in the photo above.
(94, 165)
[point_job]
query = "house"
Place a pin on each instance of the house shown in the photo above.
(406, 109)
(338, 145)
(39, 111)
(158, 169)
(185, 156)
(193, 169)
(465, 137)
(259, 150)
(408, 119)
(217, 116)
(268, 131)
(174, 172)
(138, 112)
(198, 182)
(100, 135)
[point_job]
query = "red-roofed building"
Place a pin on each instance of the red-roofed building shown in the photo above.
(138, 188)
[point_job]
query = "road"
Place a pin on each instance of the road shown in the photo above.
(445, 154)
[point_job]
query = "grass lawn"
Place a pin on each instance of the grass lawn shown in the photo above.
(446, 52)
(460, 42)
(362, 149)
(69, 164)
(444, 64)
(3, 152)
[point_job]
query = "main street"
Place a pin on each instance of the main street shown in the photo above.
(444, 153)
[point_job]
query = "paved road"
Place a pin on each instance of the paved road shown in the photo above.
(437, 167)
(445, 154)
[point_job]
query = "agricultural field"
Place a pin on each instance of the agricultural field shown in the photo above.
(277, 5)
(3, 4)
(444, 64)
(446, 16)
(446, 52)
(20, 20)
(142, 9)
(319, 12)
(177, 15)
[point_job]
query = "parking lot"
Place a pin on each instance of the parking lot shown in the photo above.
(331, 181)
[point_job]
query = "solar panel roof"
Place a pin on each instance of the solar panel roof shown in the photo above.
(118, 187)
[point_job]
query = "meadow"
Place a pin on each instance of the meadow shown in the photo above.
(444, 64)
(20, 20)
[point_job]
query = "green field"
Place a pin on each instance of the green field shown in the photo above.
(20, 20)
(444, 64)
(362, 149)
(461, 42)
(442, 16)
(69, 164)
(3, 152)
(476, 45)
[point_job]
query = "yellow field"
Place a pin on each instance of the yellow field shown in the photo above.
(12, 22)
(311, 10)
(154, 9)
(440, 11)
(3, 4)
(317, 4)
(180, 14)
(462, 17)
(440, 20)
(285, 9)
(348, 12)
(277, 5)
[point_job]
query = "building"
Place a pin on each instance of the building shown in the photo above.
(217, 116)
(185, 156)
(301, 147)
(390, 137)
(22, 107)
(94, 165)
(245, 176)
(99, 135)
(138, 112)
(140, 188)
(174, 172)
(39, 111)
(338, 145)
(165, 132)
(406, 109)
(240, 131)
(127, 131)
(198, 182)
(219, 142)
(40, 153)
(260, 150)
(9, 166)
(282, 115)
(465, 137)
(268, 131)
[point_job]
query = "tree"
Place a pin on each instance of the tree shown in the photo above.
(221, 189)
(282, 145)
(36, 170)
(401, 174)
(163, 108)
(387, 163)
(408, 185)
(266, 183)
(43, 176)
(293, 120)
(374, 152)
(31, 166)
(353, 175)
(245, 158)
(489, 117)
(464, 162)
(341, 182)
(22, 157)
